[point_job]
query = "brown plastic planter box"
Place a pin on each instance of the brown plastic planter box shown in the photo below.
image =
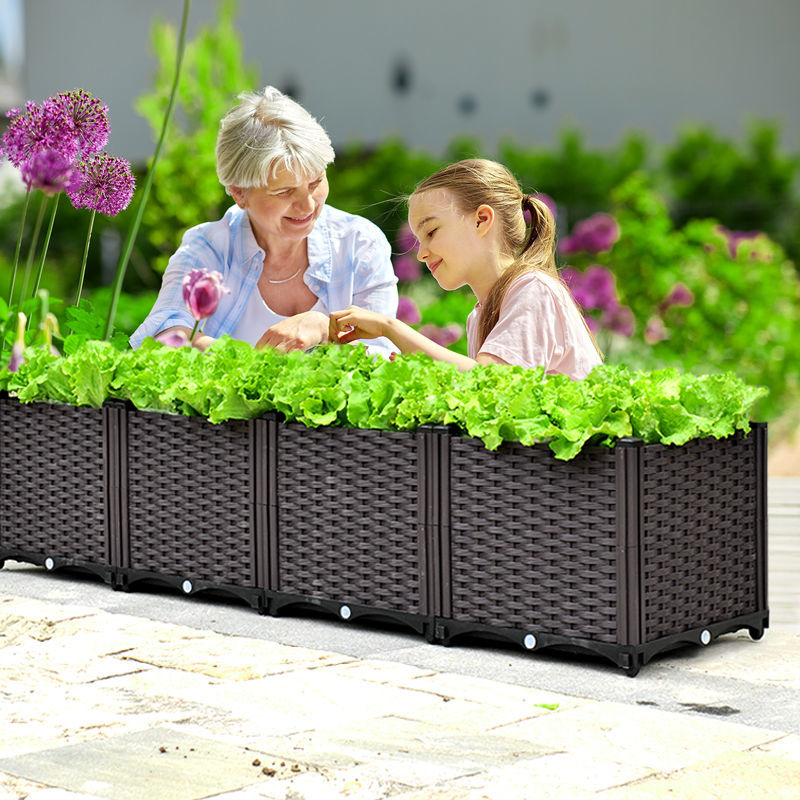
(624, 552)
(53, 483)
(185, 511)
(343, 513)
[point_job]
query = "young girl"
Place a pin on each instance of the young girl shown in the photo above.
(469, 221)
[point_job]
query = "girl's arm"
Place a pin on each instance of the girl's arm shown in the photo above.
(355, 323)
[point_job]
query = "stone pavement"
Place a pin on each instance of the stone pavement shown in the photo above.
(155, 696)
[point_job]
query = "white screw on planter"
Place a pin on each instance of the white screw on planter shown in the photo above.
(344, 612)
(187, 586)
(49, 563)
(529, 642)
(705, 637)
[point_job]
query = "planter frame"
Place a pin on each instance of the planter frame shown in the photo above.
(623, 552)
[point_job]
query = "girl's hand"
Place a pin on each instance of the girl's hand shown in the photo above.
(354, 323)
(296, 333)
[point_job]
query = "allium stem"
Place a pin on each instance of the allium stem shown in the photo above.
(134, 229)
(46, 245)
(85, 256)
(16, 251)
(37, 229)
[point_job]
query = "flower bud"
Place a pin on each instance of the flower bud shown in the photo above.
(18, 348)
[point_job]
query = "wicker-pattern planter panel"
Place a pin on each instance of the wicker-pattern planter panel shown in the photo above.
(189, 502)
(700, 555)
(347, 515)
(533, 540)
(52, 481)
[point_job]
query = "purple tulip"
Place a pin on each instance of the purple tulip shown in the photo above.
(18, 348)
(407, 311)
(407, 268)
(445, 336)
(202, 291)
(173, 339)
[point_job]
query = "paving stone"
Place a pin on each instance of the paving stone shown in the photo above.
(381, 671)
(787, 747)
(657, 740)
(12, 787)
(157, 762)
(232, 657)
(737, 776)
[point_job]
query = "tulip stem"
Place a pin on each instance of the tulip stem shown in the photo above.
(194, 330)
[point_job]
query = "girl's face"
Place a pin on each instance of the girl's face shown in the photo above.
(287, 207)
(449, 242)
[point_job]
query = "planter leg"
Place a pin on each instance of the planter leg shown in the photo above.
(756, 633)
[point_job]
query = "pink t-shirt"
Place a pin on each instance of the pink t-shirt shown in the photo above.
(539, 326)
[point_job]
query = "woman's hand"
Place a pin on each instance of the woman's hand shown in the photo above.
(296, 333)
(354, 323)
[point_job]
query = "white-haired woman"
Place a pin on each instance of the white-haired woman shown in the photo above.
(288, 259)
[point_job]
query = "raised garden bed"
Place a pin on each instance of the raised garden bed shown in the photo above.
(624, 551)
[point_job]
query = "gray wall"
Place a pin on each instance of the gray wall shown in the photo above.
(524, 68)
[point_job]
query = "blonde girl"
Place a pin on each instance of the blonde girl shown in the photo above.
(469, 221)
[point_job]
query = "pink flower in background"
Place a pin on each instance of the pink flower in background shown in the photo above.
(593, 235)
(735, 238)
(202, 291)
(444, 336)
(620, 320)
(407, 268)
(50, 171)
(405, 239)
(655, 331)
(593, 289)
(407, 311)
(680, 295)
(591, 323)
(107, 185)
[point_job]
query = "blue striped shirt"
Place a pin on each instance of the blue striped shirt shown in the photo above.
(349, 263)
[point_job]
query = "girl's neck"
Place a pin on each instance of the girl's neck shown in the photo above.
(486, 277)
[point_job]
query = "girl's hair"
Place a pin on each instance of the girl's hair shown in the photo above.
(477, 181)
(267, 130)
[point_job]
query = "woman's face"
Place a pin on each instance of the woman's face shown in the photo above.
(287, 207)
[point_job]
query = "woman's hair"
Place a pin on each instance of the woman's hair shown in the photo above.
(267, 130)
(477, 182)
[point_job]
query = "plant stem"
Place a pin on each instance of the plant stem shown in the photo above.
(19, 244)
(37, 228)
(46, 245)
(85, 255)
(194, 330)
(134, 229)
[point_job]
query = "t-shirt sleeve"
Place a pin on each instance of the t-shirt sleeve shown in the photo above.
(530, 330)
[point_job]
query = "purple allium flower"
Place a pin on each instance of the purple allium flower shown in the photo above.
(591, 323)
(86, 115)
(107, 185)
(620, 320)
(680, 295)
(173, 339)
(592, 289)
(50, 171)
(445, 336)
(407, 311)
(202, 291)
(593, 235)
(655, 331)
(39, 128)
(407, 268)
(405, 239)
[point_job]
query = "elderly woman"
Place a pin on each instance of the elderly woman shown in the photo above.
(287, 257)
